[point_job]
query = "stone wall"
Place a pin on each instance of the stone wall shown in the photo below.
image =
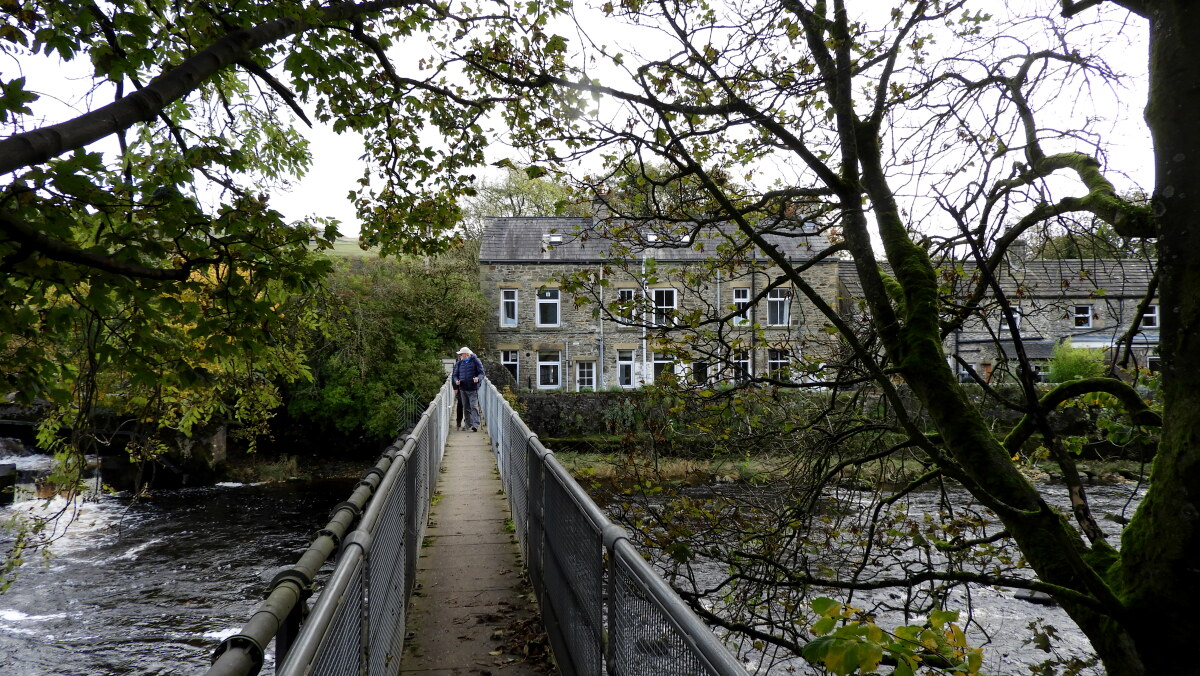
(588, 345)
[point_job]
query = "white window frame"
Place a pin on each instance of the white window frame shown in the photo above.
(625, 368)
(661, 362)
(549, 297)
(779, 307)
(626, 298)
(1018, 314)
(742, 363)
(1150, 318)
(1081, 320)
(741, 300)
(777, 363)
(664, 314)
(551, 359)
(583, 381)
(512, 358)
(508, 300)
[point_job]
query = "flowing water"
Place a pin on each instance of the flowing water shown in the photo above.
(999, 618)
(151, 586)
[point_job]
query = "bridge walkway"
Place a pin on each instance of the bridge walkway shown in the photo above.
(470, 593)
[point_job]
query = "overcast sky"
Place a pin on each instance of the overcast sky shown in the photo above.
(336, 166)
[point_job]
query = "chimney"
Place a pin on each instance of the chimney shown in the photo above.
(1018, 252)
(600, 209)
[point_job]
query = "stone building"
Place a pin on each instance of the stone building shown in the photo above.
(1092, 303)
(574, 309)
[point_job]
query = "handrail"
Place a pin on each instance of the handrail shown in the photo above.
(281, 617)
(605, 609)
(576, 557)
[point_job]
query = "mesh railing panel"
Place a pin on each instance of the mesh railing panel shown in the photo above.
(565, 538)
(517, 468)
(341, 649)
(573, 566)
(389, 536)
(388, 597)
(413, 523)
(644, 640)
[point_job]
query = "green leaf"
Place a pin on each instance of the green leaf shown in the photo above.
(825, 606)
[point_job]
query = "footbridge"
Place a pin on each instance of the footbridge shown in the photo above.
(347, 606)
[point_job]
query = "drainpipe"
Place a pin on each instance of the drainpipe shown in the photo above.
(642, 284)
(601, 381)
(753, 308)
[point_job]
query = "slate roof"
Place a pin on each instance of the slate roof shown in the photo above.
(1072, 277)
(1119, 278)
(571, 240)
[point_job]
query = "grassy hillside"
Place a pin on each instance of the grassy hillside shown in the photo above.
(347, 247)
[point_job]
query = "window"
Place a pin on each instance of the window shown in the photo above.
(777, 364)
(547, 307)
(625, 303)
(585, 375)
(741, 299)
(662, 363)
(511, 361)
(1150, 319)
(625, 368)
(1017, 315)
(1083, 316)
(779, 307)
(508, 307)
(549, 369)
(742, 370)
(664, 307)
(700, 372)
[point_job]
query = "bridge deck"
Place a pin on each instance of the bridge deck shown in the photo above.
(470, 593)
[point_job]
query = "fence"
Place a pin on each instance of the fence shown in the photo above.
(357, 624)
(605, 609)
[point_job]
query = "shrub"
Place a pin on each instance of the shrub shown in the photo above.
(1070, 363)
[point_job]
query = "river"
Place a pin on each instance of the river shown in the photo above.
(999, 620)
(152, 586)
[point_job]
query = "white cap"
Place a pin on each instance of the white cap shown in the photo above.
(463, 350)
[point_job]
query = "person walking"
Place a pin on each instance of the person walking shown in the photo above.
(468, 374)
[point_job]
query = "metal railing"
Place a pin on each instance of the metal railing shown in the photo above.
(605, 609)
(357, 623)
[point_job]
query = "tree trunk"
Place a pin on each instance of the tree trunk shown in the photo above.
(1159, 575)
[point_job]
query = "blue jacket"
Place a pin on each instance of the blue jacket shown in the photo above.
(465, 370)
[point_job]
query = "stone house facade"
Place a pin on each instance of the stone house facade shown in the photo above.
(1091, 303)
(573, 309)
(724, 323)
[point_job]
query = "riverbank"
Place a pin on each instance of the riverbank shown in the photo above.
(622, 473)
(253, 468)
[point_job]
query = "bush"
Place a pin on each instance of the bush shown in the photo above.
(1071, 363)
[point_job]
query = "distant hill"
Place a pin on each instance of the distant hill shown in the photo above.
(347, 247)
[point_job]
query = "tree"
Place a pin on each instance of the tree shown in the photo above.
(141, 263)
(516, 193)
(383, 326)
(1089, 238)
(138, 246)
(861, 113)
